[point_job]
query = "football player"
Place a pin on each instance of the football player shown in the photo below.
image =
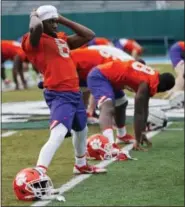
(129, 46)
(106, 82)
(176, 54)
(11, 50)
(49, 51)
(85, 60)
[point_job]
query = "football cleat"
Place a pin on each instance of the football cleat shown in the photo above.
(88, 169)
(127, 139)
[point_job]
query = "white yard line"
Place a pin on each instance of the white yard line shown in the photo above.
(75, 181)
(9, 133)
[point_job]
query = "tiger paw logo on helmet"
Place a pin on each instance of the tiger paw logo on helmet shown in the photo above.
(30, 184)
(99, 148)
(20, 179)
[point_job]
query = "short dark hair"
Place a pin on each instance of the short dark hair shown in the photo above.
(166, 82)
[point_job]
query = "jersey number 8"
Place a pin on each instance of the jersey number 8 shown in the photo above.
(63, 48)
(143, 68)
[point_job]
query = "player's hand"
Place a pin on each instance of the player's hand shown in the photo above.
(33, 13)
(137, 147)
(145, 140)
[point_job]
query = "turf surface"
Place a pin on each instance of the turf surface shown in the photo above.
(156, 179)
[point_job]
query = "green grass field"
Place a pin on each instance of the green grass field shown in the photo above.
(157, 178)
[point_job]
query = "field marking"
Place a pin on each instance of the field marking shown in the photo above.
(175, 129)
(9, 133)
(76, 180)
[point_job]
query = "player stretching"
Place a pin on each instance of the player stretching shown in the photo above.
(49, 52)
(106, 80)
(11, 50)
(86, 59)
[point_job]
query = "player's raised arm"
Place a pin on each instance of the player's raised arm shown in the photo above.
(36, 29)
(141, 110)
(82, 36)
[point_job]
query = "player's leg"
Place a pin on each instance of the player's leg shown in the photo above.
(62, 112)
(6, 82)
(104, 96)
(91, 119)
(21, 74)
(87, 98)
(179, 82)
(120, 118)
(79, 142)
(3, 74)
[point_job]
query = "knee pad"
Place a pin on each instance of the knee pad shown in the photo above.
(121, 101)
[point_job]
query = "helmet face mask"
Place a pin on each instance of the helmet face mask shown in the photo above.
(40, 187)
(29, 184)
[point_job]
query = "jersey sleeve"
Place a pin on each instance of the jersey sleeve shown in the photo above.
(22, 55)
(26, 46)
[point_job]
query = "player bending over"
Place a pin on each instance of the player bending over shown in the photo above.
(107, 81)
(176, 54)
(49, 52)
(85, 60)
(11, 50)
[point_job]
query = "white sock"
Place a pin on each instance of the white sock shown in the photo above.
(48, 150)
(121, 132)
(109, 134)
(80, 161)
(80, 144)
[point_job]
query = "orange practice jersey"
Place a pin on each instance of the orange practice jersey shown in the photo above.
(98, 41)
(85, 59)
(181, 44)
(130, 45)
(52, 58)
(9, 49)
(101, 41)
(129, 75)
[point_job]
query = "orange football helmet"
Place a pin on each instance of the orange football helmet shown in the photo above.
(30, 184)
(99, 148)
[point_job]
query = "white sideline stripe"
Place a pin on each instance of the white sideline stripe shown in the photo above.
(175, 129)
(9, 133)
(74, 181)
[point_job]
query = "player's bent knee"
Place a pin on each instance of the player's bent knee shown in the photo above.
(104, 102)
(121, 101)
(107, 107)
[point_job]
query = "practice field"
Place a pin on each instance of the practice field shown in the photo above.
(157, 178)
